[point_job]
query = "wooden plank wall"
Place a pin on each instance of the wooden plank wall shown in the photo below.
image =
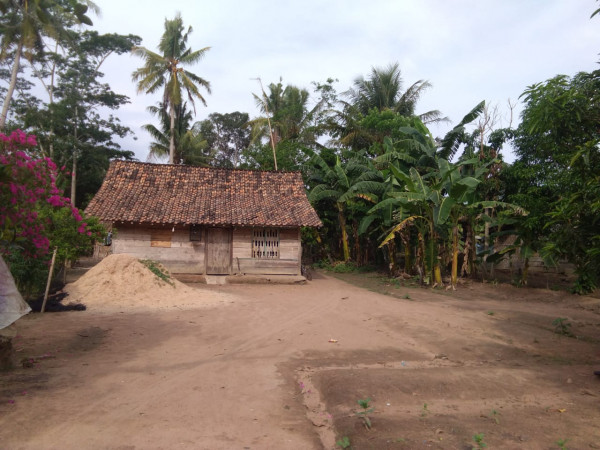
(287, 264)
(182, 256)
(185, 256)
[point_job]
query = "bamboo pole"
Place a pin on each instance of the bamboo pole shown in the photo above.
(49, 280)
(271, 138)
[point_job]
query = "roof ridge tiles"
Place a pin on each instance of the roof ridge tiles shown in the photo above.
(236, 169)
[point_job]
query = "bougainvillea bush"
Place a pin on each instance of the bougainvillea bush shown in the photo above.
(35, 216)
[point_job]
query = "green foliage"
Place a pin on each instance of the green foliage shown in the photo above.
(69, 236)
(478, 439)
(159, 270)
(562, 444)
(366, 410)
(227, 137)
(495, 415)
(286, 126)
(558, 165)
(344, 267)
(166, 71)
(73, 123)
(65, 234)
(344, 442)
(30, 274)
(562, 326)
(24, 28)
(190, 146)
(383, 90)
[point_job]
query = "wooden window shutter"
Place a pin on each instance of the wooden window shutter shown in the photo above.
(160, 238)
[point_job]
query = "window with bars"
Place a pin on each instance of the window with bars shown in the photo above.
(196, 233)
(265, 243)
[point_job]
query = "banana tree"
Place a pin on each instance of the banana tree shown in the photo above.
(437, 199)
(342, 184)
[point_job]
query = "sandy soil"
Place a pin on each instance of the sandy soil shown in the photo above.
(282, 367)
(121, 281)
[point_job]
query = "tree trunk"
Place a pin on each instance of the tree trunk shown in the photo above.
(407, 258)
(420, 263)
(172, 138)
(357, 254)
(342, 220)
(436, 273)
(51, 102)
(525, 272)
(11, 86)
(391, 245)
(454, 275)
(74, 170)
(468, 251)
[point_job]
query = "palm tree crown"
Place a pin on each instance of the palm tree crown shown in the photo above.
(383, 90)
(24, 23)
(166, 70)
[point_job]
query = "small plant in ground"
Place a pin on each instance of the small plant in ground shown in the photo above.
(562, 444)
(344, 267)
(343, 442)
(478, 439)
(495, 415)
(562, 326)
(406, 296)
(366, 410)
(158, 270)
(424, 411)
(323, 264)
(490, 313)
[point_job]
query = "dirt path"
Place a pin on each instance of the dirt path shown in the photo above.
(258, 371)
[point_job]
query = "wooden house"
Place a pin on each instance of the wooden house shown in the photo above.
(206, 221)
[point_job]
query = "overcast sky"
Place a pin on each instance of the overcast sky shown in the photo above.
(470, 50)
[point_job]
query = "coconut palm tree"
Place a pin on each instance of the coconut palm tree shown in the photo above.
(383, 90)
(23, 25)
(190, 146)
(286, 117)
(166, 70)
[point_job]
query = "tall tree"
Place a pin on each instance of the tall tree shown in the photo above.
(72, 124)
(383, 90)
(557, 168)
(287, 121)
(190, 146)
(23, 26)
(340, 185)
(227, 137)
(166, 70)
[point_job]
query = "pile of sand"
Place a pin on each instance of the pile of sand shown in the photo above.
(123, 282)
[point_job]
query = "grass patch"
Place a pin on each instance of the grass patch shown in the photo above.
(159, 270)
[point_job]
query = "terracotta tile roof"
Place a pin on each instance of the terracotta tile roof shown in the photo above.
(173, 194)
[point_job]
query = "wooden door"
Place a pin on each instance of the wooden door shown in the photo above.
(218, 251)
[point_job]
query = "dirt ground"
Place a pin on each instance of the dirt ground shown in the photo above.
(282, 367)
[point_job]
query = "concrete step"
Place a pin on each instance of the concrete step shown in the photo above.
(216, 279)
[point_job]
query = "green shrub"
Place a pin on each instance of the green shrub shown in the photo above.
(344, 267)
(30, 274)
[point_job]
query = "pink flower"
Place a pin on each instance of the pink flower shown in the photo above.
(55, 200)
